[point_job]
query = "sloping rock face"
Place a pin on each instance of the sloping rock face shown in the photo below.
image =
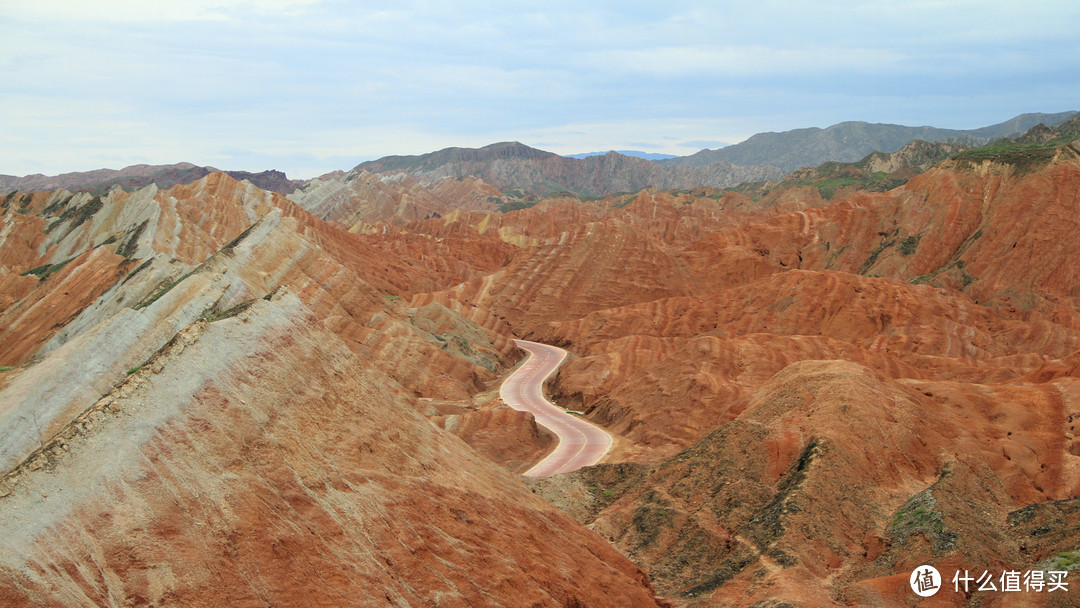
(218, 399)
(359, 200)
(256, 460)
(834, 473)
(148, 264)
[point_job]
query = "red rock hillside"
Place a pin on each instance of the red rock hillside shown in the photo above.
(213, 398)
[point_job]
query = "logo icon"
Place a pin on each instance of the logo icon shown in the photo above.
(925, 581)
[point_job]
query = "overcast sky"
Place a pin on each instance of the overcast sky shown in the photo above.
(309, 86)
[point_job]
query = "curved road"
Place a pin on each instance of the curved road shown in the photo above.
(581, 443)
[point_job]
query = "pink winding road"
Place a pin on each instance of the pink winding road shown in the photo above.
(581, 443)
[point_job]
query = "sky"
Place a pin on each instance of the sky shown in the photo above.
(310, 86)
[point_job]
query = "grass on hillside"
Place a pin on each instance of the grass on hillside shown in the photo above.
(509, 206)
(1025, 157)
(42, 272)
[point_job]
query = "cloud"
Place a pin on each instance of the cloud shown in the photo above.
(297, 83)
(150, 10)
(749, 60)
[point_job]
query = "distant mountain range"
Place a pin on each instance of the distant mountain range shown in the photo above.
(527, 172)
(634, 153)
(536, 173)
(851, 141)
(140, 176)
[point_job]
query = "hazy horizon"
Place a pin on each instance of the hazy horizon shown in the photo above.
(312, 86)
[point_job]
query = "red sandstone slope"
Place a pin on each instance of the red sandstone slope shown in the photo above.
(149, 263)
(938, 414)
(257, 440)
(731, 263)
(834, 483)
(256, 461)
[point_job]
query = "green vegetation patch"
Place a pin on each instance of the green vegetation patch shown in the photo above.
(1024, 158)
(651, 518)
(509, 206)
(870, 261)
(137, 270)
(59, 204)
(910, 244)
(827, 187)
(75, 217)
(162, 291)
(966, 278)
(921, 515)
(231, 312)
(128, 248)
(733, 565)
(233, 243)
(1068, 560)
(767, 526)
(42, 272)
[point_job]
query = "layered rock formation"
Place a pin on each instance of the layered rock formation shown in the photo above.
(358, 200)
(219, 399)
(256, 460)
(915, 348)
(834, 473)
